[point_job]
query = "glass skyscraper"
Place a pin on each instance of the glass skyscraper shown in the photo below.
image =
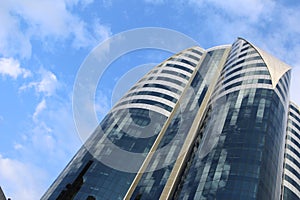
(2, 196)
(203, 124)
(291, 182)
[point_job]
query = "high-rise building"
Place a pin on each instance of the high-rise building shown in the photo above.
(291, 182)
(203, 124)
(2, 196)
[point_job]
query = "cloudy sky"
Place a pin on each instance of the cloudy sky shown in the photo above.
(44, 43)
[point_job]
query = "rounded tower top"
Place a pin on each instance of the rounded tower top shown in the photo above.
(276, 67)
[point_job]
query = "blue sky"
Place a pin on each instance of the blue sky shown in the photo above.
(43, 44)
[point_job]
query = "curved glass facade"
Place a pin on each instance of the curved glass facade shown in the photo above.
(291, 183)
(205, 124)
(240, 153)
(152, 183)
(148, 104)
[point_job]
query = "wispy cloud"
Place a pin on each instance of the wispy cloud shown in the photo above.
(246, 10)
(51, 126)
(47, 84)
(155, 2)
(18, 146)
(11, 67)
(102, 104)
(83, 37)
(22, 180)
(40, 107)
(44, 20)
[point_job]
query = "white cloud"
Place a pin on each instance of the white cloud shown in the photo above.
(40, 107)
(47, 85)
(85, 38)
(11, 67)
(52, 125)
(18, 146)
(46, 133)
(21, 180)
(101, 32)
(155, 2)
(27, 178)
(12, 40)
(107, 3)
(251, 9)
(102, 104)
(42, 138)
(21, 21)
(60, 128)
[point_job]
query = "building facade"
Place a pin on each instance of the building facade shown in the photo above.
(203, 124)
(291, 182)
(2, 196)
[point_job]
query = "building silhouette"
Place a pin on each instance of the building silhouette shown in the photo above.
(203, 124)
(2, 196)
(291, 180)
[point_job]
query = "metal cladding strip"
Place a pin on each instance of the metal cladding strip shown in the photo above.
(166, 83)
(187, 147)
(145, 97)
(237, 88)
(159, 73)
(291, 187)
(293, 165)
(292, 176)
(180, 71)
(183, 56)
(292, 135)
(159, 90)
(143, 106)
(160, 136)
(229, 68)
(292, 154)
(164, 75)
(244, 78)
(253, 69)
